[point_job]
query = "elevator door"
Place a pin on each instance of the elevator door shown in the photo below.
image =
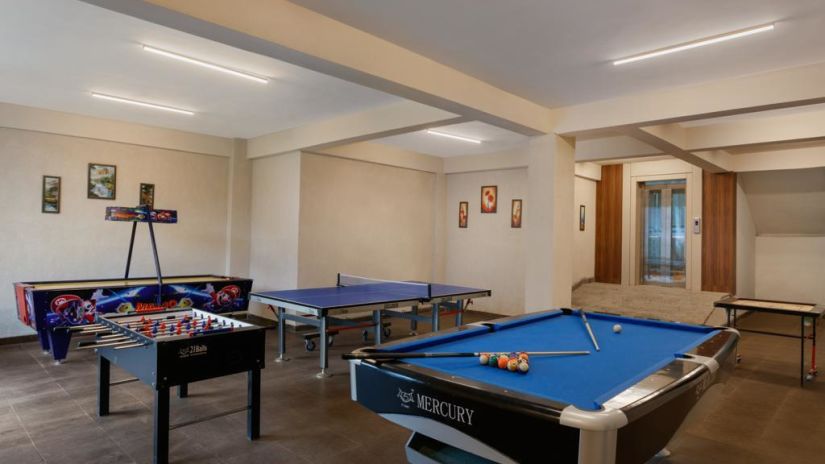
(662, 239)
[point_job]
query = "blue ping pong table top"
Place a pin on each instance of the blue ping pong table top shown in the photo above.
(365, 295)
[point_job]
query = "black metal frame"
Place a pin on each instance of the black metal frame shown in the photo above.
(731, 313)
(162, 365)
(154, 255)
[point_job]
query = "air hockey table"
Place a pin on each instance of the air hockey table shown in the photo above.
(621, 404)
(53, 308)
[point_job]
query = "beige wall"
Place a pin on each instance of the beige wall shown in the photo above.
(488, 253)
(78, 243)
(274, 226)
(584, 242)
(745, 245)
(790, 268)
(364, 219)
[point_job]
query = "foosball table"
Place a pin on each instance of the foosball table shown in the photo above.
(174, 348)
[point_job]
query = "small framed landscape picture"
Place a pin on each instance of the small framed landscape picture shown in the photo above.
(51, 194)
(581, 217)
(147, 195)
(102, 181)
(489, 198)
(463, 211)
(515, 214)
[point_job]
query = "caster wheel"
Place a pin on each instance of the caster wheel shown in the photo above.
(309, 345)
(413, 333)
(365, 335)
(387, 332)
(809, 377)
(738, 359)
(329, 340)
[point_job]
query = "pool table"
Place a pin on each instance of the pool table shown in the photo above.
(621, 404)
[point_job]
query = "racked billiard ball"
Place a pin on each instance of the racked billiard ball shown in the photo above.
(493, 361)
(512, 365)
(484, 358)
(502, 361)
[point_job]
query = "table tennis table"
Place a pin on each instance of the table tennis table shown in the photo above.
(352, 294)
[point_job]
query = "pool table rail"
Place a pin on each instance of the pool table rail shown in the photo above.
(632, 426)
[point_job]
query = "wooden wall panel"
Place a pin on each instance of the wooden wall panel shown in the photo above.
(609, 225)
(719, 232)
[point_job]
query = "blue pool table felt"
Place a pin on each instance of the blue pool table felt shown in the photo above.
(587, 381)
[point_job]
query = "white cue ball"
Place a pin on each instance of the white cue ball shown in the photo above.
(617, 328)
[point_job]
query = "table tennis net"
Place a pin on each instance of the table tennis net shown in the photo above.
(417, 289)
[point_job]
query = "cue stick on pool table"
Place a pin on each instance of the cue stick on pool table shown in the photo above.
(386, 355)
(589, 330)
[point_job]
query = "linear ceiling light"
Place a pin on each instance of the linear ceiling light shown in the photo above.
(143, 104)
(696, 43)
(205, 64)
(451, 136)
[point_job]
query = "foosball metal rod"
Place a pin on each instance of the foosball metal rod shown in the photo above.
(209, 417)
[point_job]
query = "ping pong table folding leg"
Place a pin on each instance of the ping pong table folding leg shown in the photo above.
(378, 326)
(413, 321)
(281, 336)
(436, 314)
(459, 315)
(322, 334)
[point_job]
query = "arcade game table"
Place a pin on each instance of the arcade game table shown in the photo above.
(621, 404)
(52, 308)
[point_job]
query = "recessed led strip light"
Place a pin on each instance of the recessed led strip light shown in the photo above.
(129, 101)
(205, 64)
(451, 136)
(696, 43)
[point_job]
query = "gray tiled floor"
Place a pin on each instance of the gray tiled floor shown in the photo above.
(47, 412)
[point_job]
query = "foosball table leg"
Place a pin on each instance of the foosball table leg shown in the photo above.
(160, 453)
(253, 413)
(103, 369)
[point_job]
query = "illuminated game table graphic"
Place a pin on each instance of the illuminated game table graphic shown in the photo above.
(354, 294)
(53, 308)
(808, 314)
(621, 404)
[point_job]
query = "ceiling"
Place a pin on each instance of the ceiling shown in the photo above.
(493, 139)
(559, 53)
(54, 53)
(786, 202)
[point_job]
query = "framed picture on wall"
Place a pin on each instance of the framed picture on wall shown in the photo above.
(51, 195)
(581, 217)
(102, 181)
(515, 214)
(463, 211)
(147, 195)
(489, 199)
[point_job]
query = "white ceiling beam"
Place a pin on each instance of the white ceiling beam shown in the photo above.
(75, 125)
(385, 121)
(785, 88)
(779, 158)
(297, 35)
(789, 128)
(613, 147)
(386, 155)
(666, 139)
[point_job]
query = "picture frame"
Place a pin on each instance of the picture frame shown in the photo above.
(146, 195)
(516, 213)
(489, 199)
(50, 200)
(102, 182)
(581, 217)
(463, 213)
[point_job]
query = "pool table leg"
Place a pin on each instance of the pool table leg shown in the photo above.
(597, 447)
(435, 316)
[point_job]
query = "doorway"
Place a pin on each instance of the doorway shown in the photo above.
(662, 218)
